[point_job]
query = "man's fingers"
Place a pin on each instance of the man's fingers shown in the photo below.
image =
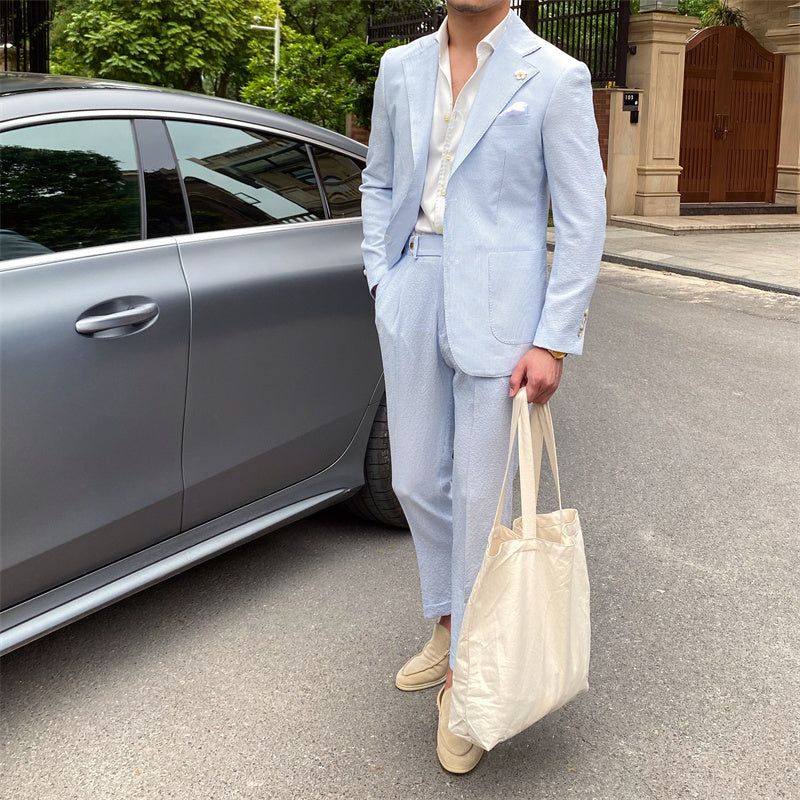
(516, 379)
(545, 390)
(542, 397)
(534, 389)
(541, 393)
(539, 372)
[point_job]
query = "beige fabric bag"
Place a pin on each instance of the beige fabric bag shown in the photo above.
(523, 650)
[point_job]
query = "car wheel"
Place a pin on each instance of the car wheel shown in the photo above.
(376, 501)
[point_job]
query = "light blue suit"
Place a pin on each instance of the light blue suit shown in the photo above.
(453, 326)
(498, 301)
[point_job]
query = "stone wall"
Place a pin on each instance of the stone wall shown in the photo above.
(602, 114)
(762, 16)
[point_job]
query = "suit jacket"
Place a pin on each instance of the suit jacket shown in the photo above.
(530, 136)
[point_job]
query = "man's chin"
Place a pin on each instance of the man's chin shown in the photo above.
(473, 6)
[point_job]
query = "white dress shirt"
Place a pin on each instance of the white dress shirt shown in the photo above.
(448, 125)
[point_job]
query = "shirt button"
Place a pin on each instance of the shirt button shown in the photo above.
(447, 118)
(449, 156)
(443, 193)
(440, 229)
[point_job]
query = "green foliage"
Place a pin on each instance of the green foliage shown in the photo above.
(718, 12)
(359, 61)
(712, 12)
(317, 83)
(331, 21)
(327, 22)
(326, 67)
(182, 44)
(307, 86)
(692, 8)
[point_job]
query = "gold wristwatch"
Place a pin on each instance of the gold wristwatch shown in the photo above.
(557, 354)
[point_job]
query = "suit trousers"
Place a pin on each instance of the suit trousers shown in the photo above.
(448, 432)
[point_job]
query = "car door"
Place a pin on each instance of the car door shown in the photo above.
(94, 338)
(284, 357)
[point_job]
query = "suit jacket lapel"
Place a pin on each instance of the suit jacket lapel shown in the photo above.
(421, 69)
(506, 73)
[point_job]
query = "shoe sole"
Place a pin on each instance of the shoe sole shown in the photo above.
(416, 687)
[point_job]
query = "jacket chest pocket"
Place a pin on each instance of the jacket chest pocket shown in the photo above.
(511, 120)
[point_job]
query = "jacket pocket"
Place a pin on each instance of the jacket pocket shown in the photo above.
(515, 290)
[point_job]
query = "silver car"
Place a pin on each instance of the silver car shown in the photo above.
(187, 349)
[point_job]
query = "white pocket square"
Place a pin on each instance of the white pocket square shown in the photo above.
(518, 109)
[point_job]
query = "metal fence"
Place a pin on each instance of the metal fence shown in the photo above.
(593, 31)
(403, 27)
(24, 30)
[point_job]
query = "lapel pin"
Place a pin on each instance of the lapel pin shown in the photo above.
(520, 74)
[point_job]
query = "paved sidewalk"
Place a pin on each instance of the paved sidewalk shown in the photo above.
(761, 257)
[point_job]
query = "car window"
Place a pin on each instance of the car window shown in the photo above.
(341, 177)
(237, 179)
(68, 185)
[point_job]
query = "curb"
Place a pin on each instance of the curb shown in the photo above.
(659, 266)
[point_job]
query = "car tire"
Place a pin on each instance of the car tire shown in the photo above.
(376, 500)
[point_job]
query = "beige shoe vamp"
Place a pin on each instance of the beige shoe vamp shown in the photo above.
(456, 745)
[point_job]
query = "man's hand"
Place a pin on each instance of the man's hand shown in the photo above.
(539, 372)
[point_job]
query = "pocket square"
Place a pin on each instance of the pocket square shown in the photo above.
(518, 109)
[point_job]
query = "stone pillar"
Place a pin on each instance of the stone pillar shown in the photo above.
(623, 155)
(354, 131)
(657, 70)
(787, 191)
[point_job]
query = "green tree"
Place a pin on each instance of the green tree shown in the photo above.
(331, 21)
(308, 85)
(692, 8)
(359, 63)
(198, 45)
(327, 69)
(326, 22)
(316, 83)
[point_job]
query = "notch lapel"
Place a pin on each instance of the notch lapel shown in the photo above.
(500, 83)
(421, 69)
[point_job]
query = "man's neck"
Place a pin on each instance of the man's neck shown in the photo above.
(466, 26)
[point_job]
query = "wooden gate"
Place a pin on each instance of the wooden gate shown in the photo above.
(731, 118)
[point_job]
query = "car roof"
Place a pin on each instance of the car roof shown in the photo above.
(27, 94)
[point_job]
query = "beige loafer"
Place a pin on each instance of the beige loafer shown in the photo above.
(428, 667)
(455, 754)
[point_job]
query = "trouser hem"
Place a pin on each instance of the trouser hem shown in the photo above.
(438, 610)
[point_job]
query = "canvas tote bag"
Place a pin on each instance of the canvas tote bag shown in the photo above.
(523, 650)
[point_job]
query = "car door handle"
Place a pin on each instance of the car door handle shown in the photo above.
(118, 319)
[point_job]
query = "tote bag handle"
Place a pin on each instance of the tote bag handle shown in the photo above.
(530, 439)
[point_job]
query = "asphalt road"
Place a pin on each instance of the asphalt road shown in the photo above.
(268, 672)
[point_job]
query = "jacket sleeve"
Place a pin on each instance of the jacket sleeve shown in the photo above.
(577, 189)
(376, 186)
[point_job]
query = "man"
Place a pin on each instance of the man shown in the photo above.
(474, 130)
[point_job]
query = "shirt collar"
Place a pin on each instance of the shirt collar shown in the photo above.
(486, 46)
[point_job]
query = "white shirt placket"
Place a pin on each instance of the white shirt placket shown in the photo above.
(448, 127)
